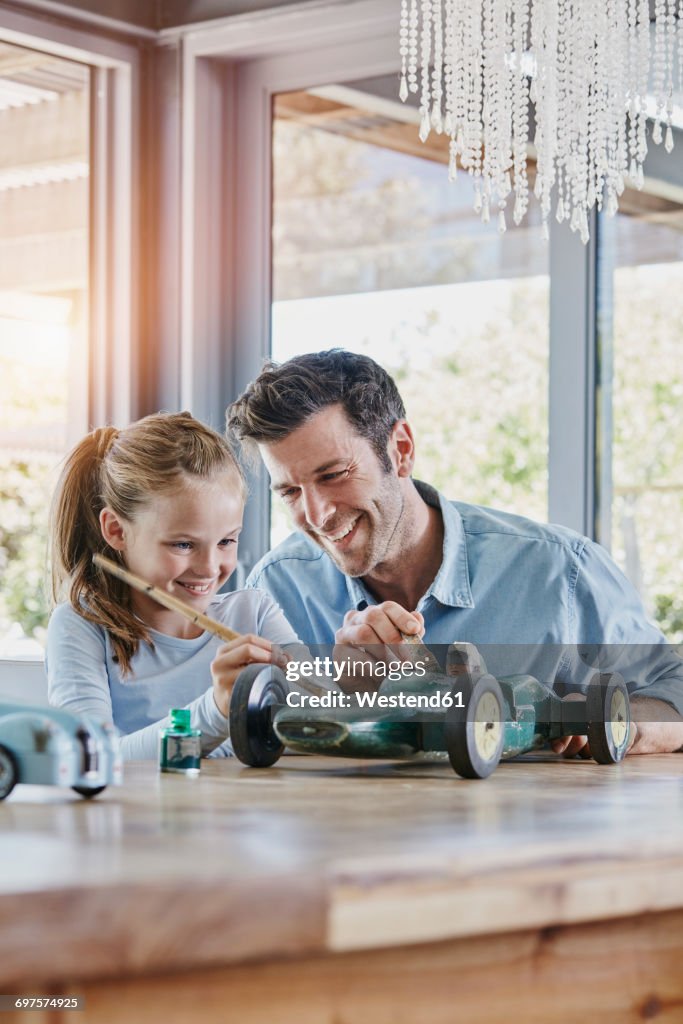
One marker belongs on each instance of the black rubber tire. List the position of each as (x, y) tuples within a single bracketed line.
[(258, 692), (463, 739), (606, 696), (88, 793), (9, 772)]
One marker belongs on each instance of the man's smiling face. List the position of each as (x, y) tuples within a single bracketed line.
[(337, 491)]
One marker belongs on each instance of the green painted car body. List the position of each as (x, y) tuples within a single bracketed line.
[(467, 714)]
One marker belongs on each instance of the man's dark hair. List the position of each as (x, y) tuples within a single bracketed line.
[(284, 396)]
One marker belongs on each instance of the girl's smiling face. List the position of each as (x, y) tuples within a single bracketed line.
[(183, 541)]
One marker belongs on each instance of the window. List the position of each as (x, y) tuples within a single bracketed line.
[(375, 251), (44, 168), (343, 230), (641, 257)]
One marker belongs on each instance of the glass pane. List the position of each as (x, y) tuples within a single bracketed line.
[(375, 251), (642, 333), (43, 302)]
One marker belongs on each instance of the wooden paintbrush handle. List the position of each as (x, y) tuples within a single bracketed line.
[(166, 600), (420, 652)]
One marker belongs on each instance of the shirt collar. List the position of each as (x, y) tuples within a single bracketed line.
[(451, 585)]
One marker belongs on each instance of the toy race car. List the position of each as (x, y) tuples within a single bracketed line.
[(51, 747), (486, 718)]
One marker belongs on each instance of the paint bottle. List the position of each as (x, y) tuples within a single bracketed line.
[(180, 744)]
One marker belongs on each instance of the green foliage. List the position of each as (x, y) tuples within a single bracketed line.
[(669, 614), (481, 419), (647, 458), (23, 403), (25, 484)]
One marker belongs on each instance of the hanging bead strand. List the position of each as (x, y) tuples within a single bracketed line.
[(425, 57), (520, 116), (436, 118), (412, 46), (403, 51)]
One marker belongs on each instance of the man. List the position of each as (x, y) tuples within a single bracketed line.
[(379, 554)]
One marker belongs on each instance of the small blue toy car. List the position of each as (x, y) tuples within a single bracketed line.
[(52, 747)]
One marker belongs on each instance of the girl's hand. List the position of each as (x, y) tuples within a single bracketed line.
[(232, 657)]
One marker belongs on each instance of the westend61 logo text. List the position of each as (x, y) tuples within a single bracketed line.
[(440, 700)]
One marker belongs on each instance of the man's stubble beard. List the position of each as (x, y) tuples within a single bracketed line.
[(381, 540)]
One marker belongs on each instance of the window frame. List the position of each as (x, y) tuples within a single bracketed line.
[(114, 101), (112, 390)]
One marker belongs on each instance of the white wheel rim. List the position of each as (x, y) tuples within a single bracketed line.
[(487, 726), (618, 716)]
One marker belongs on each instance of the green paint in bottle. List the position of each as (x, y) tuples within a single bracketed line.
[(180, 744)]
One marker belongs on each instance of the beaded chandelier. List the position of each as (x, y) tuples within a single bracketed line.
[(583, 65)]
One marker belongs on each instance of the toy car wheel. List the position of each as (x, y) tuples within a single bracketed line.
[(88, 793), (475, 733), (257, 694), (608, 715), (9, 773)]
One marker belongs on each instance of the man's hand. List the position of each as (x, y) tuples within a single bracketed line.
[(379, 624), (366, 636), (659, 729), (655, 729)]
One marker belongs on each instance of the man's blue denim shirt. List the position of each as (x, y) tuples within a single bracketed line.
[(534, 598)]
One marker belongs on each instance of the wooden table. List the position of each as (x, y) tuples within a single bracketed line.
[(352, 892)]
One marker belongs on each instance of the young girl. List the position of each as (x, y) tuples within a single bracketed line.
[(165, 497)]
